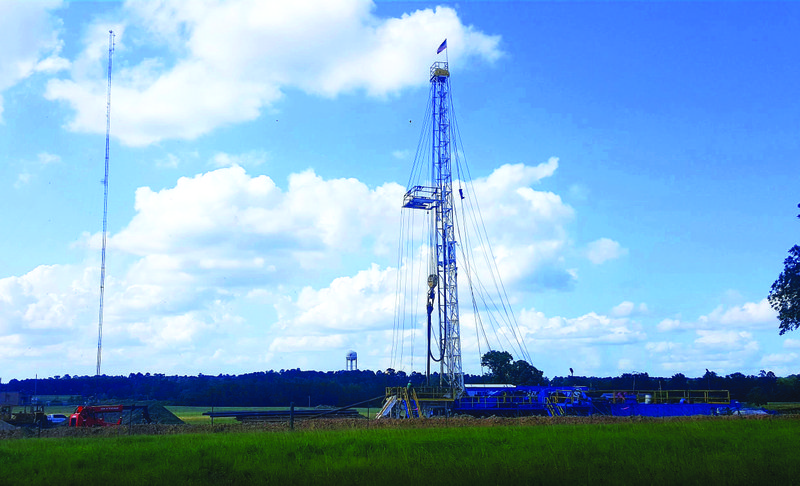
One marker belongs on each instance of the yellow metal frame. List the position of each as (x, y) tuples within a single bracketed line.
[(722, 397), (424, 393)]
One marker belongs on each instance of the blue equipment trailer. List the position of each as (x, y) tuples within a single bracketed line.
[(554, 401), (507, 400)]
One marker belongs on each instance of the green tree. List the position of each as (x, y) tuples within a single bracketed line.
[(499, 364), (524, 373), (503, 369), (756, 396), (678, 382), (784, 296)]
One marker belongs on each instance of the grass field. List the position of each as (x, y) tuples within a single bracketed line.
[(716, 451), (194, 415), (783, 406)]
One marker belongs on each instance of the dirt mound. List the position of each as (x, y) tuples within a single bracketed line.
[(157, 412), (160, 415), (6, 426)]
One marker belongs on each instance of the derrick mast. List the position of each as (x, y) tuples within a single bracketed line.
[(438, 200)]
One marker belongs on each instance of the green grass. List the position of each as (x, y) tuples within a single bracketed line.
[(783, 406), (194, 415), (706, 452)]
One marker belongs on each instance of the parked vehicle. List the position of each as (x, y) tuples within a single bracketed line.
[(29, 416), (97, 415), (56, 418)]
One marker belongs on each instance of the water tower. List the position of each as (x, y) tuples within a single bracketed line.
[(351, 363)]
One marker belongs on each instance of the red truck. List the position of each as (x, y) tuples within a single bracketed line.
[(94, 415)]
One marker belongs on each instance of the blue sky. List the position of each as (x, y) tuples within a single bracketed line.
[(637, 162)]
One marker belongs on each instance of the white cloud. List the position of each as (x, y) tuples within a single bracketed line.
[(229, 260), (28, 33), (753, 315), (589, 328), (780, 359), (30, 169), (527, 227), (52, 64), (360, 303), (47, 158), (628, 308), (305, 344), (169, 161), (400, 154), (625, 365), (723, 339), (233, 59), (212, 214), (623, 309), (604, 249), (791, 343), (722, 351), (49, 297), (251, 159), (668, 325), (23, 178)]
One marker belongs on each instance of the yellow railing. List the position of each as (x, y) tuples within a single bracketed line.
[(554, 406), (424, 393), (671, 396)]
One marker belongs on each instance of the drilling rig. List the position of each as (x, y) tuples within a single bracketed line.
[(436, 198)]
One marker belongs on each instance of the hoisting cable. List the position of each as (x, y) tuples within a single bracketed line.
[(491, 262)]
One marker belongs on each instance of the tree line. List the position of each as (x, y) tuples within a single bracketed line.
[(342, 388)]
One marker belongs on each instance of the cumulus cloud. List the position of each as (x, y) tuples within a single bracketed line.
[(400, 154), (230, 259), (791, 343), (748, 315), (628, 308), (781, 364), (29, 36), (233, 59), (45, 158), (604, 249), (253, 158), (667, 325), (724, 339), (360, 303), (752, 316), (721, 351), (49, 297), (304, 344), (526, 227), (589, 328), (31, 169), (226, 220), (23, 179)]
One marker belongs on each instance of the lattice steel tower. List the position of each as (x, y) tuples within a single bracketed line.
[(438, 199), (105, 207)]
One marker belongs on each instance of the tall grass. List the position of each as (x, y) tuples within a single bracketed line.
[(670, 452)]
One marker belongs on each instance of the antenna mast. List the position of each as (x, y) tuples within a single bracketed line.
[(105, 206)]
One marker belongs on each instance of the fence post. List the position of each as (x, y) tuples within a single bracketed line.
[(291, 416)]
